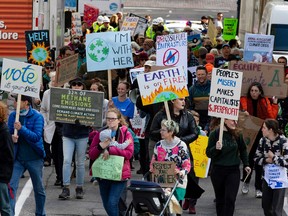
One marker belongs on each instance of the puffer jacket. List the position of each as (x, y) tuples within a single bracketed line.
[(127, 153), (32, 130)]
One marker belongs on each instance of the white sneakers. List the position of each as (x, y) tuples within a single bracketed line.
[(245, 188), (258, 194)]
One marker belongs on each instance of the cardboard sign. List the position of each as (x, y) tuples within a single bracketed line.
[(163, 85), (141, 25), (258, 48), (69, 105), (163, 173), (212, 32), (200, 160), (194, 42), (66, 69), (270, 76), (108, 50), (38, 47), (171, 50), (21, 78), (130, 24), (110, 169), (76, 28), (224, 98), (250, 127), (230, 28), (134, 73)]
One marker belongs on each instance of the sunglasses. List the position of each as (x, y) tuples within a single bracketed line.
[(49, 67), (76, 84)]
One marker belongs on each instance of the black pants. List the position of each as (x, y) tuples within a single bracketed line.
[(144, 155), (225, 182), (57, 152), (258, 169), (272, 200), (47, 149)]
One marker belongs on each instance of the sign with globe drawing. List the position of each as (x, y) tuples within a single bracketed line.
[(38, 47), (108, 50)]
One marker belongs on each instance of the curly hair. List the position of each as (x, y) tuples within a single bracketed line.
[(3, 112)]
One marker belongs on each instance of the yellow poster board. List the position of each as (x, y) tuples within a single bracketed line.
[(200, 159)]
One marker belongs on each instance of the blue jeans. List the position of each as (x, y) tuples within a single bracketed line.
[(35, 169), (111, 192), (80, 146), (5, 209)]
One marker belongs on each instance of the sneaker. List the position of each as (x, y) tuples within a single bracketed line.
[(258, 194), (192, 210), (65, 193), (58, 183), (79, 193), (186, 204), (245, 188)]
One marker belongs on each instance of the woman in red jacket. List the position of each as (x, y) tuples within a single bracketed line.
[(110, 190), (256, 104)]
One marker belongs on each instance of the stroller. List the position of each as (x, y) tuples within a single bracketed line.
[(149, 197)]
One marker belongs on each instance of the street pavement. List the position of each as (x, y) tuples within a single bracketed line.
[(91, 205)]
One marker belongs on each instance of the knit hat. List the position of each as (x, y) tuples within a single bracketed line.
[(209, 67), (149, 42), (105, 134), (210, 58)]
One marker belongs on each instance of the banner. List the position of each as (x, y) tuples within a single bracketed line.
[(76, 27), (76, 106), (110, 169), (258, 48), (163, 173), (90, 14), (194, 42), (271, 77), (38, 47), (108, 7), (200, 160), (108, 50), (130, 24), (224, 98), (171, 50), (21, 78), (230, 28), (134, 73), (141, 25), (163, 85), (66, 69)]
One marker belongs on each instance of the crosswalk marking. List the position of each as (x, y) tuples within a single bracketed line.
[(25, 193)]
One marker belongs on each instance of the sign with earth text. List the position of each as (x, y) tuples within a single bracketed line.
[(21, 78), (38, 47), (270, 76), (163, 85), (76, 106), (108, 50)]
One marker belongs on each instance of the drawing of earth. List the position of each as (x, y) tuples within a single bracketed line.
[(98, 50), (39, 54)]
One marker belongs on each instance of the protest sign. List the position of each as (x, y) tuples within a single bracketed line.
[(192, 70), (200, 160), (171, 50), (21, 78), (258, 47), (110, 169), (230, 28), (76, 28), (138, 124), (134, 72), (38, 47), (163, 173), (270, 76), (130, 24), (194, 42), (224, 98), (162, 85), (141, 25), (212, 32), (66, 69), (108, 7), (90, 13), (250, 126), (108, 50), (76, 106), (275, 176)]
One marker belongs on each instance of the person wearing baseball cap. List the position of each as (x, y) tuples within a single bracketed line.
[(225, 52)]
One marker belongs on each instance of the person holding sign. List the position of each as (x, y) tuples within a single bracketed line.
[(111, 190), (225, 173), (256, 104), (272, 154), (29, 151), (172, 148)]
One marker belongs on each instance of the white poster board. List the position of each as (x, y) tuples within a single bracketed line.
[(105, 6)]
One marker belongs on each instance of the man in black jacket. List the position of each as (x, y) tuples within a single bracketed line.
[(6, 162)]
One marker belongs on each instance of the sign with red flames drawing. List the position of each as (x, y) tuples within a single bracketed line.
[(162, 85), (171, 50)]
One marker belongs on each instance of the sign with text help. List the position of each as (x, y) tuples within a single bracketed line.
[(224, 99)]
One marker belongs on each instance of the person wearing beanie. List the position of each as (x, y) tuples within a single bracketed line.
[(148, 46)]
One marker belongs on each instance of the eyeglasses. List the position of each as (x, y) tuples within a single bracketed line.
[(110, 119), (76, 84), (163, 130)]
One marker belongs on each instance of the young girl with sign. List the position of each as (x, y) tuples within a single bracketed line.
[(272, 154)]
